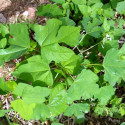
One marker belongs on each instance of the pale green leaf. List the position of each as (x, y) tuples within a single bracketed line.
[(31, 94), (25, 110), (41, 111), (4, 86), (3, 43), (4, 30), (106, 25), (46, 35), (57, 99), (50, 49), (56, 53), (36, 71), (84, 86)]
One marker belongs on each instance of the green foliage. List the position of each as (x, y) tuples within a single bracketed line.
[(36, 70), (71, 66), (120, 7), (49, 10), (2, 112), (77, 109), (59, 1), (114, 64), (29, 93), (25, 110)]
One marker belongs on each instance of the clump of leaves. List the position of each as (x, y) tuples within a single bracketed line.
[(71, 65)]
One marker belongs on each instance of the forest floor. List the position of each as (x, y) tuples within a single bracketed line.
[(12, 11)]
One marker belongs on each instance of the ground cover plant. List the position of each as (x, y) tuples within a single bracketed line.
[(72, 66)]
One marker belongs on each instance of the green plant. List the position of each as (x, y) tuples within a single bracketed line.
[(72, 64)]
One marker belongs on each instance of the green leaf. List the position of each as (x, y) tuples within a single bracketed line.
[(59, 1), (31, 94), (77, 109), (123, 123), (90, 10), (19, 35), (57, 99), (101, 110), (91, 2), (107, 45), (2, 112), (80, 119), (49, 32), (114, 65), (11, 52), (25, 110), (106, 25), (36, 71), (69, 35), (67, 21), (85, 10), (79, 2), (12, 85), (121, 7), (3, 43), (49, 10), (114, 3), (41, 111), (105, 93), (92, 26), (72, 65), (122, 109), (4, 86), (56, 53), (4, 30), (84, 86), (108, 11), (19, 43), (50, 49)]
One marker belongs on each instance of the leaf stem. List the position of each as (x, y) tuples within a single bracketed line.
[(93, 64), (8, 120)]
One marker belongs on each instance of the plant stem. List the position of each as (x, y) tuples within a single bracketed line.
[(6, 98), (9, 72), (89, 48), (8, 120), (93, 64)]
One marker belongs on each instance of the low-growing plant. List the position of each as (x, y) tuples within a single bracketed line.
[(71, 66)]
